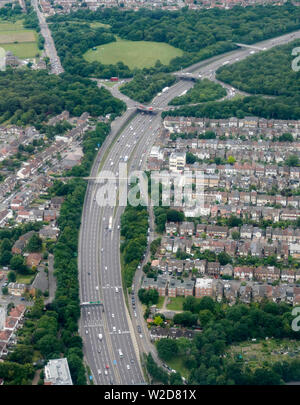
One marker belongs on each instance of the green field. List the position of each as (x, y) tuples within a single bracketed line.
[(138, 54), (160, 302), (178, 364), (17, 39), (25, 279), (176, 303), (99, 24)]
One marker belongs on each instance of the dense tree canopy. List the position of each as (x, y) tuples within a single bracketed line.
[(204, 90), (31, 97)]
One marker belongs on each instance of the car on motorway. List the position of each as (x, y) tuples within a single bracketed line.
[(119, 331), (128, 367), (112, 315), (139, 328), (116, 289), (97, 288), (107, 366), (132, 361), (86, 332), (135, 314), (114, 329), (99, 372), (105, 372), (99, 350)]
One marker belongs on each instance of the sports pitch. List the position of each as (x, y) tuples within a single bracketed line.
[(138, 54), (17, 39)]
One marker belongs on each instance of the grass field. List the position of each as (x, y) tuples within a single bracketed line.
[(20, 41), (24, 279), (160, 302), (175, 304), (99, 24), (178, 365), (138, 54)]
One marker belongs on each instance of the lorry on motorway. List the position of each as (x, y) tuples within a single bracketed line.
[(120, 353), (110, 223), (226, 63), (100, 336)]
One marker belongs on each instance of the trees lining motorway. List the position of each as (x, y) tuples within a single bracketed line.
[(99, 247)]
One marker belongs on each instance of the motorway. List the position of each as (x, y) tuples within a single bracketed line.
[(132, 135)]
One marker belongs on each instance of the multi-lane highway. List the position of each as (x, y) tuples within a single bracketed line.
[(99, 246)]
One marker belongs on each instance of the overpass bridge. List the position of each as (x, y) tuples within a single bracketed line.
[(146, 109), (257, 48), (187, 76)]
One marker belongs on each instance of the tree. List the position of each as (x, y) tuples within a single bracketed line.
[(292, 160), (175, 216), (11, 277), (235, 235), (158, 321), (205, 316), (17, 263), (34, 243), (175, 379), (167, 349), (231, 160), (148, 297), (224, 258)]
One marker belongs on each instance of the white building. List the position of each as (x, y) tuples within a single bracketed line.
[(177, 161), (57, 372), (203, 287)]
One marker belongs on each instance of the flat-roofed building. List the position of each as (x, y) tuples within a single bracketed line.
[(57, 372), (203, 287)]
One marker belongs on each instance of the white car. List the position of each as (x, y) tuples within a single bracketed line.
[(112, 315), (119, 332), (114, 329), (97, 288), (86, 332), (99, 372), (105, 372), (135, 314), (128, 367)]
